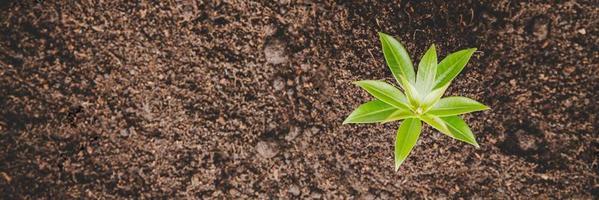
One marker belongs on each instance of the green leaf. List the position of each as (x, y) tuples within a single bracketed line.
[(375, 111), (433, 97), (407, 135), (385, 92), (452, 126), (436, 122), (427, 69), (411, 92), (397, 58), (451, 66), (460, 130), (399, 114), (450, 106)]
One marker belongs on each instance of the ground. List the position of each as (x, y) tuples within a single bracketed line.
[(240, 99)]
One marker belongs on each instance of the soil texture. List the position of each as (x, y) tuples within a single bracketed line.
[(244, 99)]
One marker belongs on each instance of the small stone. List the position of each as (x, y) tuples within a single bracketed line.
[(272, 125), (314, 130), (221, 120), (513, 82), (544, 176), (582, 31), (89, 149), (124, 132), (233, 192), (278, 84), (568, 70), (223, 81), (293, 133), (315, 195), (568, 103), (294, 190), (6, 176), (275, 52), (195, 181), (526, 141), (266, 149), (540, 29)]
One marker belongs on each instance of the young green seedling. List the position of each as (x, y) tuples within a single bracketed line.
[(422, 100)]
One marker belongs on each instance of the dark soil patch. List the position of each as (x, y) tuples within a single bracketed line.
[(182, 99), (528, 142)]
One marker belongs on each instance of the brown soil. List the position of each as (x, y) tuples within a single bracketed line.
[(244, 99)]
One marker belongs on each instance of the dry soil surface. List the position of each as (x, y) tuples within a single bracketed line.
[(243, 99)]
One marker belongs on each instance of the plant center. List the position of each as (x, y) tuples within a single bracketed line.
[(419, 111)]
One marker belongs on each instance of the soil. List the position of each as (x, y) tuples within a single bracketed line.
[(240, 99)]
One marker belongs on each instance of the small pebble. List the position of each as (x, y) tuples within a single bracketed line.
[(293, 133), (278, 84), (124, 132), (266, 149), (540, 29), (275, 52), (294, 190)]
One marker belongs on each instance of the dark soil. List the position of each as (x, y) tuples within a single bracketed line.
[(156, 99)]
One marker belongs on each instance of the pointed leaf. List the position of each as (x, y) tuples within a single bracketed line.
[(455, 129), (411, 92), (375, 111), (436, 122), (385, 92), (460, 130), (451, 66), (427, 69), (451, 106), (397, 58), (433, 97), (399, 114), (407, 136)]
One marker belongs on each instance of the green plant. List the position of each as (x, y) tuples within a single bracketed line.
[(422, 100)]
